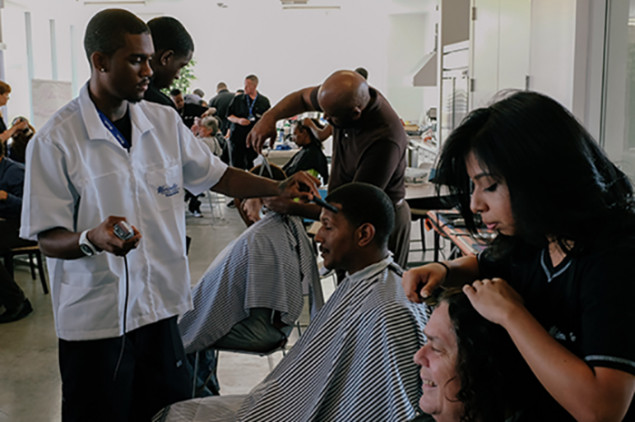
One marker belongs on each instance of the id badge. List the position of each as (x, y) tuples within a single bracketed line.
[(252, 118)]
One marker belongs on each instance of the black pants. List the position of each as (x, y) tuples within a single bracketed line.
[(11, 295), (399, 240), (151, 375), (193, 204), (10, 229), (242, 157)]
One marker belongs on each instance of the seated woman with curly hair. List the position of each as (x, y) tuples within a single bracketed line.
[(470, 371)]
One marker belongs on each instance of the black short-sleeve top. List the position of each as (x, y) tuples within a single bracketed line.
[(585, 302)]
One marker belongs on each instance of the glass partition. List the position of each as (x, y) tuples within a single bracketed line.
[(618, 120)]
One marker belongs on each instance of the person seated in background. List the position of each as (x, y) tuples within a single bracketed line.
[(470, 370), (13, 303), (187, 111), (310, 157), (11, 187), (6, 133), (252, 293), (354, 361), (207, 130), (15, 146), (11, 192)]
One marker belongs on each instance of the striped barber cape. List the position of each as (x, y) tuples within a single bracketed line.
[(354, 362), (265, 267)]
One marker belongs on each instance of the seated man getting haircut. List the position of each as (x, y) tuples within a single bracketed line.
[(251, 294), (354, 362)]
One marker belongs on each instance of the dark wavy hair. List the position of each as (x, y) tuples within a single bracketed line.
[(106, 30), (491, 371), (560, 181)]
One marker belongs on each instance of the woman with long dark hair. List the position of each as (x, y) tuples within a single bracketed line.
[(558, 277)]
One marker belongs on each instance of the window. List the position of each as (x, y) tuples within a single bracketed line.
[(618, 117)]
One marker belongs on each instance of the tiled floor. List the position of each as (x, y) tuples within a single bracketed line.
[(29, 377)]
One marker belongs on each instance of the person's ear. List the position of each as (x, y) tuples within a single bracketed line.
[(356, 113), (99, 61), (365, 234), (165, 57)]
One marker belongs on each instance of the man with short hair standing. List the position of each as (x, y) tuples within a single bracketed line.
[(105, 159), (220, 102), (369, 143), (243, 113), (173, 50)]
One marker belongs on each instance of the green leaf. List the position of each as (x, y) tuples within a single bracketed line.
[(184, 82)]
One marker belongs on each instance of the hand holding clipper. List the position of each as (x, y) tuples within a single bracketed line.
[(123, 230)]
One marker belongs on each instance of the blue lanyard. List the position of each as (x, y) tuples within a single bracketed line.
[(115, 132), (251, 106)]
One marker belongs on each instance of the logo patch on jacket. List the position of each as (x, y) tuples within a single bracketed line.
[(168, 190)]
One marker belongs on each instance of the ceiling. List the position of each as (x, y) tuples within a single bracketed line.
[(393, 6)]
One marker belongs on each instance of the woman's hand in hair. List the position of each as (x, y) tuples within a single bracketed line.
[(494, 299), (419, 283)]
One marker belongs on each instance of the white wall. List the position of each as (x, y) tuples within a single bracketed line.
[(287, 49), (500, 48), (552, 48), (617, 89), (65, 13), (595, 67), (404, 29)]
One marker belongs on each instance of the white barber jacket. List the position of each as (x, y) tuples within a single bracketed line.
[(78, 174)]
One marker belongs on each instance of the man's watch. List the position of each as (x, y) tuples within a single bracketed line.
[(86, 246)]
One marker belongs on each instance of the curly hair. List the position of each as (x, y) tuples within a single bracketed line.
[(490, 369), (561, 183)]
